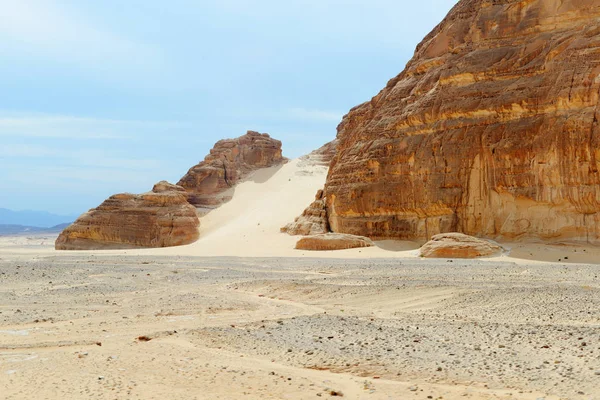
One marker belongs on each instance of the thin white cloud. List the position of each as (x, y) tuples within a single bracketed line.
[(69, 178), (39, 27), (70, 127), (82, 158), (25, 151), (299, 114), (313, 115)]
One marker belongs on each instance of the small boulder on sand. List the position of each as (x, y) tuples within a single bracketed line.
[(458, 245), (333, 241)]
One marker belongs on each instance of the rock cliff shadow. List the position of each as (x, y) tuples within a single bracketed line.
[(397, 245)]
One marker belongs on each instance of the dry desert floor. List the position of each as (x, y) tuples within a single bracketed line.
[(106, 326)]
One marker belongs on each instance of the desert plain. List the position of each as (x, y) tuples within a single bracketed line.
[(241, 314)]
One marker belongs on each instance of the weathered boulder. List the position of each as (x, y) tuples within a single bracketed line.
[(458, 245), (313, 220), (493, 129), (125, 221), (229, 162), (333, 241)]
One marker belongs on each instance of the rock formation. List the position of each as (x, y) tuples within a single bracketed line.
[(491, 130), (125, 221), (313, 220), (164, 186), (322, 156), (165, 217), (333, 241), (229, 161), (458, 245)]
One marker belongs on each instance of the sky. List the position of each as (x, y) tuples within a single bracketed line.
[(103, 97)]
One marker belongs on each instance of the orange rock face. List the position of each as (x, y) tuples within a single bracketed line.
[(491, 130), (126, 221), (229, 161)]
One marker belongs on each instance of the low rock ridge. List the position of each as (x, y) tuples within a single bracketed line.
[(333, 241), (322, 156), (208, 184), (458, 245), (126, 221)]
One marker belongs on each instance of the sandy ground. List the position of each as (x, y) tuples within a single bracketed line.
[(285, 328), (241, 314)]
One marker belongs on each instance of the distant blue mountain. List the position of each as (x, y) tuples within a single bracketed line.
[(7, 229), (40, 219)]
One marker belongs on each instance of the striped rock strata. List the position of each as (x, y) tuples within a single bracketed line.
[(165, 217), (126, 221), (491, 130), (229, 162)]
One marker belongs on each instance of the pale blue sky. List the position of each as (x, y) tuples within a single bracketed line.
[(100, 97)]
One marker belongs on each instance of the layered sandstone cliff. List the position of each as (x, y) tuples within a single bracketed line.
[(229, 162), (125, 221), (491, 130)]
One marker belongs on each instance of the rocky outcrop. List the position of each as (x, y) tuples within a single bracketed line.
[(208, 184), (313, 220), (333, 241), (493, 129), (458, 245), (126, 221), (167, 216), (164, 186), (322, 156)]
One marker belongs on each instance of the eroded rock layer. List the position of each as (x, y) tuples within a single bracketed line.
[(313, 220), (491, 130), (322, 156), (125, 221), (458, 245), (333, 241), (229, 161)]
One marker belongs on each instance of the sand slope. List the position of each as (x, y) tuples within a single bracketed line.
[(249, 225)]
